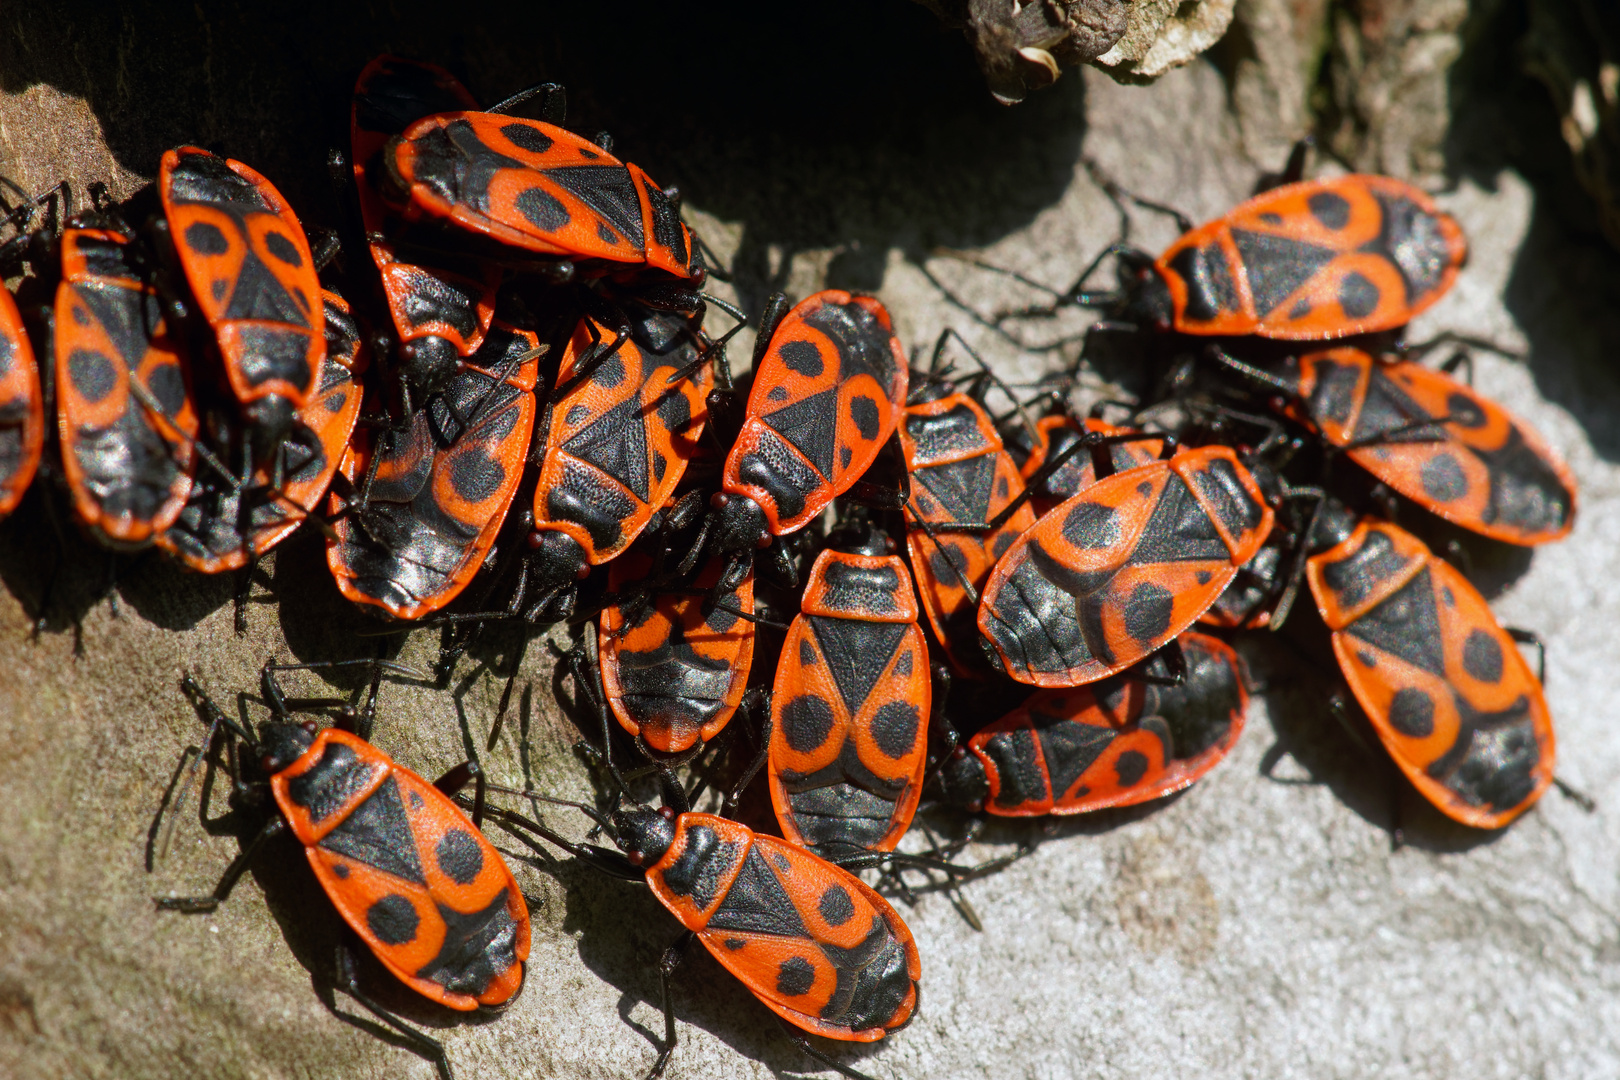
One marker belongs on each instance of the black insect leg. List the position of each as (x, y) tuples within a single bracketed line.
[(553, 106), (666, 970), (459, 777), (192, 905), (757, 700), (805, 1045), (349, 982), (244, 586), (1339, 709)]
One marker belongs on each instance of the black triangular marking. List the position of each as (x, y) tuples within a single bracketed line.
[(1276, 266), (1070, 748), (862, 343), (757, 902), (1179, 530), (1406, 624), (607, 190), (857, 654), (963, 487), (127, 316), (1387, 407), (810, 425), (258, 295), (378, 833), (617, 444), (478, 946)]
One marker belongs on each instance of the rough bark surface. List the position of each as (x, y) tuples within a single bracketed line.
[(1256, 926)]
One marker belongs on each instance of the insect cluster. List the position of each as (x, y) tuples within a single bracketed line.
[(494, 378)]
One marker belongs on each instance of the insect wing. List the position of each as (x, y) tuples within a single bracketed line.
[(618, 443), (851, 705), (123, 399), (1444, 686), (827, 395), (676, 675), (250, 270), (22, 407), (408, 872)]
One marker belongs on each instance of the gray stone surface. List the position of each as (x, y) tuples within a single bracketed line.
[(1254, 926)]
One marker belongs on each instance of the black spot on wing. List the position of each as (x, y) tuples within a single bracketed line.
[(378, 833), (128, 316), (863, 344), (795, 976), (895, 726), (91, 374), (868, 421), (1411, 712), (1330, 208), (393, 920), (1148, 611), (1443, 478), (460, 856), (803, 357), (836, 906), (807, 720), (528, 136), (205, 238), (1092, 526), (1358, 296), (1482, 656), (542, 209)]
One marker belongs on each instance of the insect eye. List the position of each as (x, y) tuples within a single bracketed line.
[(634, 858), (309, 726), (719, 500), (667, 813)]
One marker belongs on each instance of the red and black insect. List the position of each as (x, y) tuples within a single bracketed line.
[(817, 945), (618, 434), (1431, 438), (830, 382), (1118, 742), (227, 525), (253, 280), (124, 410), (851, 704), (1308, 261), (1056, 435), (959, 473), (536, 189), (1119, 570), (1444, 685), (675, 667), (413, 878), (22, 407), (441, 303), (420, 508)]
